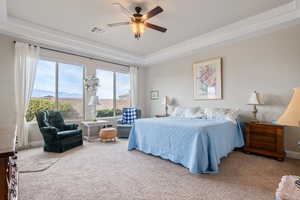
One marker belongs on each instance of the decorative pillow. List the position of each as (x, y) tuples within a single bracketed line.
[(129, 115)]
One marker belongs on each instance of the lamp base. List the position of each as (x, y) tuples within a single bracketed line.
[(254, 113)]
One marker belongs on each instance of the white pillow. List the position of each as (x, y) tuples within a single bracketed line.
[(222, 114), (178, 112), (200, 114), (185, 112), (233, 115)]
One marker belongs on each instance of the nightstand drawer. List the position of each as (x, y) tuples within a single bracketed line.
[(263, 130), (263, 146), (263, 137)]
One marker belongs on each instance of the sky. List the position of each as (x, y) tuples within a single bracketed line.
[(70, 81)]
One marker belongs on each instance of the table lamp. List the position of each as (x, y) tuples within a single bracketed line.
[(291, 116), (255, 99), (94, 101), (166, 101)]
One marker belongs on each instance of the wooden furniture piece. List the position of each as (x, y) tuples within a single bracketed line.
[(8, 166), (108, 134), (90, 124), (265, 138), (287, 189), (158, 116)]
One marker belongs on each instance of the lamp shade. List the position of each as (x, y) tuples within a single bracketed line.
[(94, 100), (255, 99), (165, 101), (291, 116)]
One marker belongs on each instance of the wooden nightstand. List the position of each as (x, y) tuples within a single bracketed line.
[(265, 138), (158, 116)]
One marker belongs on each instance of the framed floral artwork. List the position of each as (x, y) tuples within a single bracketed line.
[(207, 77)]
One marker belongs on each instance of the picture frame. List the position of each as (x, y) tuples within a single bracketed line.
[(154, 94), (207, 77)]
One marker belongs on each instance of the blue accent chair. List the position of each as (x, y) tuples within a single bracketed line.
[(124, 129)]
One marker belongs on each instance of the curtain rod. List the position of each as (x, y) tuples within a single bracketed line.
[(73, 54)]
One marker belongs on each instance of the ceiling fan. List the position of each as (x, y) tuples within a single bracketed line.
[(138, 21)]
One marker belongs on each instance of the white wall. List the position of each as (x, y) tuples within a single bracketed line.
[(7, 101), (269, 64)]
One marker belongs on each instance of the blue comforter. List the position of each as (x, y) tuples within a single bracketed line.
[(197, 144)]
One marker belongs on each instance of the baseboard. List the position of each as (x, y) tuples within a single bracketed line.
[(36, 144), (293, 154)]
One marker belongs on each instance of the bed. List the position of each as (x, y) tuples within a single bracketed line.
[(197, 144)]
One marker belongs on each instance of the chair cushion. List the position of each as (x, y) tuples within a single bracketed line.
[(124, 125)]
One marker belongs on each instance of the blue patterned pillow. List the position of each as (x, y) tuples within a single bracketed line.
[(129, 115)]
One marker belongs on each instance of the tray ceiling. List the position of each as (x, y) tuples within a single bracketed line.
[(184, 19)]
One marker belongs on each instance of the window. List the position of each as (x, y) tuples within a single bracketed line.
[(113, 93), (43, 94), (57, 86), (122, 91), (105, 93), (70, 91)]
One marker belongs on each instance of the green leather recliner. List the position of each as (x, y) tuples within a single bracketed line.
[(58, 135)]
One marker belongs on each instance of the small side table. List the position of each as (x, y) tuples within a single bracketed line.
[(89, 124), (159, 116), (287, 190)]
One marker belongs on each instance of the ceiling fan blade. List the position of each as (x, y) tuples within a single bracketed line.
[(118, 24), (155, 27), (123, 9), (153, 12)]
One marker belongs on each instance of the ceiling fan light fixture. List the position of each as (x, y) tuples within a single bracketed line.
[(138, 29), (138, 22)]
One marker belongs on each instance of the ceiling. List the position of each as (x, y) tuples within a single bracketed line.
[(184, 19)]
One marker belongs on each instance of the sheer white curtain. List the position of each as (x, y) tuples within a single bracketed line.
[(26, 58), (134, 85)]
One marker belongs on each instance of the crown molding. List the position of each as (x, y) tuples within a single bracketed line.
[(251, 26), (244, 28), (45, 36)]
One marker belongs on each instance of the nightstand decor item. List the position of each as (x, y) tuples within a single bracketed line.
[(166, 101), (255, 99), (291, 116)]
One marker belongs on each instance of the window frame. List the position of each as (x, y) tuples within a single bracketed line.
[(89, 67), (66, 61), (115, 90)]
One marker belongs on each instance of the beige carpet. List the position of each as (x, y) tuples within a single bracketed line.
[(107, 171)]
